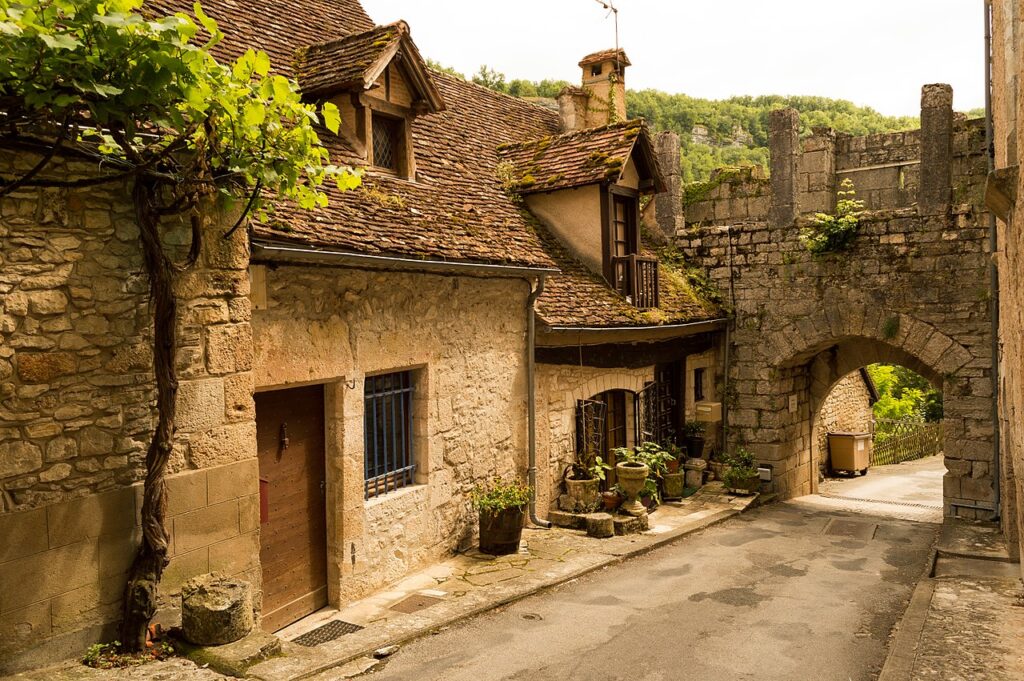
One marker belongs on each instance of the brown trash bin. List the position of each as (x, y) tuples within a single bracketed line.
[(850, 452)]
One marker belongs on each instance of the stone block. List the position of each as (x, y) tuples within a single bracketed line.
[(976, 489), (186, 492), (235, 555), (229, 348), (183, 567), (47, 302), (233, 481), (109, 513), (600, 525), (235, 442), (43, 367), (625, 524), (24, 626), (249, 513), (19, 457), (573, 521), (216, 610), (22, 534), (206, 526), (94, 441), (99, 601), (200, 405), (238, 397)]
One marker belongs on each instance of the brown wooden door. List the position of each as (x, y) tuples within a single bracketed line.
[(293, 522)]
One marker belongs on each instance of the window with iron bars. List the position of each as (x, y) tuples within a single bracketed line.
[(387, 426), (386, 133)]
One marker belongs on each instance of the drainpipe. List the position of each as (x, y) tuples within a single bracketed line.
[(992, 268), (531, 397), (726, 358)]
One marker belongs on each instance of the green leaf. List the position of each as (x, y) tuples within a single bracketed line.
[(332, 117), (59, 41), (254, 113), (282, 88), (262, 64)]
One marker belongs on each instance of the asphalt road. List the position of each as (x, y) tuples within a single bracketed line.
[(767, 595)]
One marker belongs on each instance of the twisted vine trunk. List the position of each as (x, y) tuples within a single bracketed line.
[(144, 576)]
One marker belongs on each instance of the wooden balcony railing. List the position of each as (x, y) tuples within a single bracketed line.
[(636, 278)]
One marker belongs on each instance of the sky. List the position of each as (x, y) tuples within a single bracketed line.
[(876, 53)]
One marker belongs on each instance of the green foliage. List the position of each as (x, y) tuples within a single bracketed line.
[(694, 428), (904, 394), (438, 66), (833, 233), (518, 87), (109, 655), (141, 91), (890, 328), (598, 469), (500, 495), (740, 467)]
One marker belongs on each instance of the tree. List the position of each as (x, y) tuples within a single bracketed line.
[(490, 79), (96, 80)]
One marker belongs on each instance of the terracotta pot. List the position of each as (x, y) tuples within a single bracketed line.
[(648, 502), (611, 500), (631, 477), (673, 465), (500, 531)]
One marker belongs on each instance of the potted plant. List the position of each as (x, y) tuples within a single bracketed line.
[(716, 466), (694, 432), (631, 474), (611, 499), (741, 476), (583, 478), (677, 454), (502, 509), (649, 495)]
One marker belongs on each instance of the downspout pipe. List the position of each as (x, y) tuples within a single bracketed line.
[(993, 272), (531, 395)]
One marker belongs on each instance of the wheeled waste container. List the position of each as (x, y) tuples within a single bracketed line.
[(850, 452)]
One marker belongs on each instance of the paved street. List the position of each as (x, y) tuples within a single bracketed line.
[(767, 595), (917, 483)]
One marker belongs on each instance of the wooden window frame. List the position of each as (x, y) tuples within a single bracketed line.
[(368, 107), (609, 195)]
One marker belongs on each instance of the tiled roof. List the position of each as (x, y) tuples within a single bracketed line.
[(606, 55), (457, 209), (577, 297), (278, 27), (572, 159), (357, 60)]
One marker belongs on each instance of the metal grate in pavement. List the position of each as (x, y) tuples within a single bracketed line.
[(850, 528), (327, 632), (933, 507), (415, 603)]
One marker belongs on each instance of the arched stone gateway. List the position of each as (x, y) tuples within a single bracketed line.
[(913, 289)]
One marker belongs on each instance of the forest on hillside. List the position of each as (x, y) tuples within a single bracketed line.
[(716, 133)]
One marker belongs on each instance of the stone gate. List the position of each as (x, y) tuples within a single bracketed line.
[(914, 288)]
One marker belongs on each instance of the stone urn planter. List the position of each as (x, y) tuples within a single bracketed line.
[(695, 472), (582, 496), (672, 485), (631, 477)]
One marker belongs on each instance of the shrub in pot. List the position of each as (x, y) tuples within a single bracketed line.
[(694, 433), (740, 474), (611, 499), (502, 509), (583, 478)]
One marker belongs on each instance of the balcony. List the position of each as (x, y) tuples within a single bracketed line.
[(636, 278)]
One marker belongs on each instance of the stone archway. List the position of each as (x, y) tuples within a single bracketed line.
[(801, 362)]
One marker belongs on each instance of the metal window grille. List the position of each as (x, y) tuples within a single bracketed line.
[(385, 142), (387, 427)]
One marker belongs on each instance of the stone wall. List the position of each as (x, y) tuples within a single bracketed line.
[(559, 388), (77, 405), (1008, 111), (846, 409), (465, 339)]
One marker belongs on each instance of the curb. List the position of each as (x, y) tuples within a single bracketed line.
[(667, 538)]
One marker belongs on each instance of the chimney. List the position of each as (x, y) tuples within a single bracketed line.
[(602, 99)]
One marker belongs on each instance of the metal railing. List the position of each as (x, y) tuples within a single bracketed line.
[(388, 457), (898, 440), (636, 277)]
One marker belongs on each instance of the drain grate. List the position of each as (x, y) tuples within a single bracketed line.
[(415, 603), (327, 632), (850, 528), (933, 507)]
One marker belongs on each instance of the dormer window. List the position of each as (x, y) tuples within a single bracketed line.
[(387, 142), (629, 273)]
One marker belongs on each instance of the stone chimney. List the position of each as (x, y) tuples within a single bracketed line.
[(668, 205), (602, 99)]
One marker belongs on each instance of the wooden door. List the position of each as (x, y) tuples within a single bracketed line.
[(293, 521)]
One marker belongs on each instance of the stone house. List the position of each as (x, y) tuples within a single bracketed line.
[(1005, 197), (347, 376), (846, 409)]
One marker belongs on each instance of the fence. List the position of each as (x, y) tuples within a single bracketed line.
[(904, 440)]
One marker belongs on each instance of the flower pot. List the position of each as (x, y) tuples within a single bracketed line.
[(717, 469), (500, 531), (742, 484), (648, 502), (673, 465), (672, 485), (695, 446), (611, 500), (583, 495), (631, 478)]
